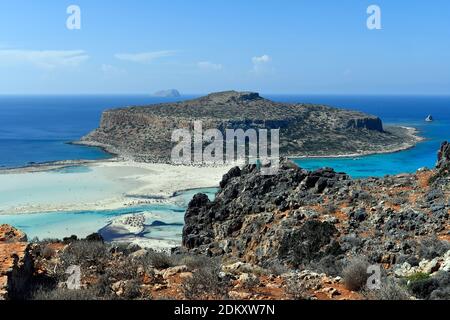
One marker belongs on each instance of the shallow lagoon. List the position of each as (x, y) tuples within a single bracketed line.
[(82, 223), (60, 188)]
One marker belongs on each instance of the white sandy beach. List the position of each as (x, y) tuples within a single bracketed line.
[(105, 185)]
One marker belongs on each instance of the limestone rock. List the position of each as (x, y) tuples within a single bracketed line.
[(16, 264), (173, 271)]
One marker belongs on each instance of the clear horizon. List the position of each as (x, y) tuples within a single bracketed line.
[(188, 94)]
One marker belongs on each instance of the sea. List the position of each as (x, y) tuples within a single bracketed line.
[(37, 129)]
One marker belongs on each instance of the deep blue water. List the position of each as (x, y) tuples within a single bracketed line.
[(37, 128)]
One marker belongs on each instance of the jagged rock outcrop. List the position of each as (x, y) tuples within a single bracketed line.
[(248, 217), (16, 265), (322, 217), (441, 178), (443, 163), (144, 133)]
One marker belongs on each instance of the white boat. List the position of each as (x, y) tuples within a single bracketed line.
[(429, 118)]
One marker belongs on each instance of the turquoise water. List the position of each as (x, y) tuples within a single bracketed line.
[(82, 223), (423, 154)]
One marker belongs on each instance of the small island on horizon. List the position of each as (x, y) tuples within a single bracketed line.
[(170, 93)]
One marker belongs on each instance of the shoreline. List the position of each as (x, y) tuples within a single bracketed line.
[(412, 132), (142, 183), (123, 184)]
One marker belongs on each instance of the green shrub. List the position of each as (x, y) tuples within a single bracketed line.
[(193, 262), (159, 260), (418, 276), (423, 288)]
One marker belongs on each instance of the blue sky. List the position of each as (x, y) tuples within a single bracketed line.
[(199, 46)]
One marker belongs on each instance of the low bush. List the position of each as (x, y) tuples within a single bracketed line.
[(85, 253), (355, 274), (206, 283), (48, 252), (193, 262), (298, 289), (276, 268), (423, 288), (431, 248), (158, 260), (389, 290), (64, 294), (440, 294), (329, 265), (436, 287), (418, 276)]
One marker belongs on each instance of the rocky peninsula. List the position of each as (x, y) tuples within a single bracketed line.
[(143, 133)]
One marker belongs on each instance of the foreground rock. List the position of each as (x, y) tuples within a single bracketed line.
[(323, 219), (144, 133), (16, 265)]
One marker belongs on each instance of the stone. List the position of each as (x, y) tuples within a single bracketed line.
[(185, 275), (241, 267), (119, 287), (239, 295), (247, 279), (160, 286), (429, 267), (138, 254), (11, 234), (404, 270), (167, 273), (331, 292), (16, 263), (445, 266)]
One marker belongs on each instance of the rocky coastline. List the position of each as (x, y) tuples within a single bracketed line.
[(295, 235)]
